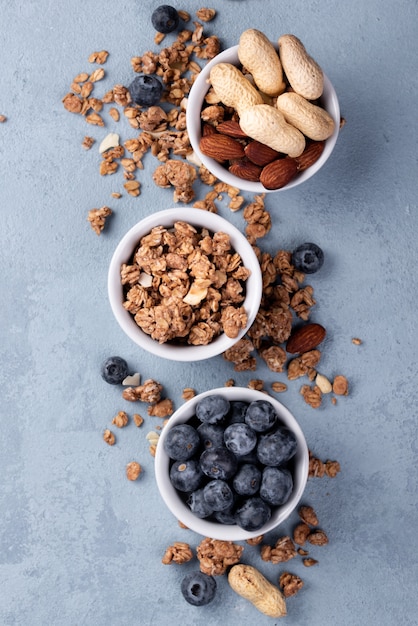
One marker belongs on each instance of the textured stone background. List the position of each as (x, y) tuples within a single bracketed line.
[(79, 544)]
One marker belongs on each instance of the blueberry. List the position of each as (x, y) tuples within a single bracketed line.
[(198, 588), (198, 504), (237, 411), (211, 435), (261, 416), (277, 447), (212, 409), (114, 370), (186, 475), (252, 514), (276, 485), (146, 90), (182, 442), (225, 517), (218, 463), (308, 258), (165, 19), (218, 494), (240, 438), (246, 481)]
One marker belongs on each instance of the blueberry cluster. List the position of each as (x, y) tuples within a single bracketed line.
[(232, 461)]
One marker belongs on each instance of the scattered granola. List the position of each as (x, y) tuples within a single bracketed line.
[(98, 57), (179, 552), (282, 551), (301, 533), (138, 420), (309, 562), (163, 408), (87, 142), (215, 556), (308, 515), (3, 119), (279, 387), (317, 537), (97, 218), (121, 419), (312, 395), (188, 393), (290, 584), (206, 15), (133, 470), (255, 541), (340, 386), (356, 341), (109, 437)]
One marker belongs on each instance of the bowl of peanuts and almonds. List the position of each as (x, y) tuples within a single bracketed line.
[(263, 117), (184, 284)]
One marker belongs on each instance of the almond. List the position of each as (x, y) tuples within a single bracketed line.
[(278, 173), (246, 170), (260, 154), (311, 154), (305, 338), (232, 129), (221, 147), (208, 129)]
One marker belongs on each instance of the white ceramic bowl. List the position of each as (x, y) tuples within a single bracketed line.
[(225, 531), (195, 101), (199, 219)]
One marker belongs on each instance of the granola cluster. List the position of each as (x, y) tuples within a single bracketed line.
[(215, 556), (186, 285)]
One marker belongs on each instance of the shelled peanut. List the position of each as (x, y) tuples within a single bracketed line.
[(273, 125)]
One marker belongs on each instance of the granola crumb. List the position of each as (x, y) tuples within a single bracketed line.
[(317, 537), (356, 341), (188, 393), (332, 468), (109, 437), (312, 395), (97, 218), (180, 523), (138, 420), (206, 15), (308, 515), (255, 541), (283, 550), (179, 552), (230, 382), (279, 387), (133, 470), (121, 419), (340, 385), (116, 194), (158, 38), (99, 57), (290, 584), (114, 114), (309, 562), (163, 408), (215, 555), (87, 142), (300, 533), (256, 383), (3, 119)]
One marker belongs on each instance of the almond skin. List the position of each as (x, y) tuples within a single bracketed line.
[(305, 338), (232, 129), (310, 155), (208, 129), (260, 154), (221, 147), (278, 173), (246, 170)]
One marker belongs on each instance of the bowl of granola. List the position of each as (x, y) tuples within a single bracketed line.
[(232, 463), (184, 284), (243, 148)]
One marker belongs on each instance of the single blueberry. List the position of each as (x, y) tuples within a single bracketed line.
[(186, 475), (308, 258), (225, 517), (276, 485), (218, 494), (211, 435), (181, 442), (198, 588), (198, 504), (246, 481), (146, 90), (114, 370), (212, 409), (261, 416), (165, 19), (252, 514), (237, 411), (218, 463), (240, 438), (277, 447)]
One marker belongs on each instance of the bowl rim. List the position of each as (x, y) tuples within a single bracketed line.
[(194, 105), (200, 219), (213, 529)]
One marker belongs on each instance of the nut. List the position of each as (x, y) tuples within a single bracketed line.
[(231, 128), (305, 338), (302, 71), (312, 120), (250, 584), (278, 173), (340, 385), (221, 147), (267, 125), (246, 170), (232, 88), (260, 154), (258, 55), (310, 155), (133, 470)]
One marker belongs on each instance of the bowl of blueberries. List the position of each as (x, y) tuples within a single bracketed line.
[(232, 463)]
